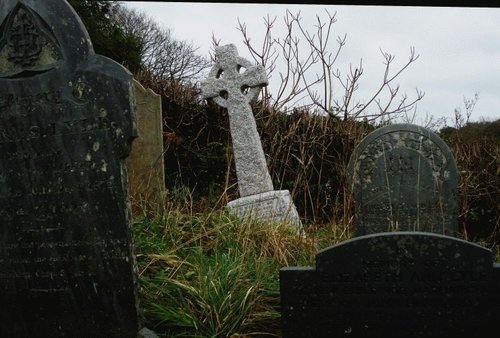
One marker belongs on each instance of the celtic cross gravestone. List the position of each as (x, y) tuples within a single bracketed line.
[(67, 264), (233, 83)]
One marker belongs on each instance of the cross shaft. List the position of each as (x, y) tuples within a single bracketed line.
[(233, 89)]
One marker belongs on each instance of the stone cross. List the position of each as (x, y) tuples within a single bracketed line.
[(233, 83)]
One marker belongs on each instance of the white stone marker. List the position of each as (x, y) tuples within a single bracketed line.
[(233, 83)]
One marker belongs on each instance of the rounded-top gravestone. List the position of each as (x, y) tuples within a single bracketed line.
[(67, 266), (403, 178)]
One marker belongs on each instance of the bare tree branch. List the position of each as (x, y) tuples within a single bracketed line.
[(163, 56), (300, 80)]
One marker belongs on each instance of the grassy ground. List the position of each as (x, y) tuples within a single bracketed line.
[(208, 274), (212, 275)]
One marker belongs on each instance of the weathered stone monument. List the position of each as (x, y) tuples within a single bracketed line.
[(404, 178), (145, 165), (67, 267), (402, 284), (418, 283), (233, 83)]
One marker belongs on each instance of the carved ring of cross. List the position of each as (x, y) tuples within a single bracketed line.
[(226, 83)]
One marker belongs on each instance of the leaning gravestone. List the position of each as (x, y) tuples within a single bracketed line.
[(233, 83), (403, 178), (67, 265), (401, 284), (145, 165)]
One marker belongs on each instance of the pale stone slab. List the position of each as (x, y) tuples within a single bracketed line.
[(146, 333), (145, 165), (273, 205)]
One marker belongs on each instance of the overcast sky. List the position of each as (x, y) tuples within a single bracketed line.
[(459, 48)]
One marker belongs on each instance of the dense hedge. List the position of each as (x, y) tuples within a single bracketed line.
[(476, 148), (308, 155)]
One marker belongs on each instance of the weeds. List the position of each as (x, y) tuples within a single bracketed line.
[(212, 275)]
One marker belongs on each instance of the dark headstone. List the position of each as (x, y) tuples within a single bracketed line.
[(67, 266), (403, 178), (399, 284)]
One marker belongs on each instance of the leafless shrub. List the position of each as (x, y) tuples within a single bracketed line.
[(478, 158), (300, 80), (168, 64)]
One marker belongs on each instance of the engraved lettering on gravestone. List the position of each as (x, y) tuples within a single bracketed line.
[(233, 83), (403, 177), (67, 266), (426, 285)]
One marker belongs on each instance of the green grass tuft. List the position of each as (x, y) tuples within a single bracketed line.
[(212, 275)]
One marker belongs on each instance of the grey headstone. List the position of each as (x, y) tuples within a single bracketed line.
[(67, 266), (403, 284), (233, 83), (404, 178)]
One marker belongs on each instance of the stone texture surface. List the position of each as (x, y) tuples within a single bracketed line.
[(273, 205), (67, 266), (404, 177), (145, 164), (233, 76), (403, 284), (146, 333), (233, 83)]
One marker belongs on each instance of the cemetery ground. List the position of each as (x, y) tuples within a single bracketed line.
[(71, 239), (208, 274), (205, 273)]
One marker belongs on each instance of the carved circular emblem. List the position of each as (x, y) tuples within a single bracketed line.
[(233, 78)]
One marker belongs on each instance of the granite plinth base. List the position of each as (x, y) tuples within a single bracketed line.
[(272, 205), (146, 333)]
